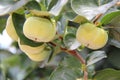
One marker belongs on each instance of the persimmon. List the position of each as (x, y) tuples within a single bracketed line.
[(91, 36)]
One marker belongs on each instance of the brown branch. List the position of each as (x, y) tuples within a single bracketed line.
[(77, 55)]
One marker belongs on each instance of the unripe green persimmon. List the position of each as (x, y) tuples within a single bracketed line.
[(40, 56), (39, 29), (91, 36), (30, 49), (10, 29)]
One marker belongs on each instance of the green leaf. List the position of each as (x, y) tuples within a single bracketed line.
[(108, 17), (8, 2), (115, 30), (114, 57), (70, 41), (3, 55), (18, 21), (33, 5), (95, 56), (69, 69), (56, 9), (6, 9), (114, 43), (107, 74), (90, 8), (51, 3), (18, 66), (3, 20)]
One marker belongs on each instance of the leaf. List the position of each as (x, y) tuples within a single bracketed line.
[(18, 66), (90, 8), (108, 17), (3, 55), (7, 2), (107, 74), (70, 41), (115, 30), (114, 57), (95, 57), (33, 5), (3, 20), (18, 21), (114, 43), (55, 10), (6, 9), (51, 3), (69, 69)]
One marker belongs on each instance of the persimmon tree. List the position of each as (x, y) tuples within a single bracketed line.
[(61, 39)]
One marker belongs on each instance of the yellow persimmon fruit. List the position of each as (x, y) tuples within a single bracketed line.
[(10, 29), (91, 36), (40, 56), (39, 29), (29, 49)]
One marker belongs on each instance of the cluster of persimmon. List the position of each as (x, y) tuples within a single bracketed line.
[(41, 29)]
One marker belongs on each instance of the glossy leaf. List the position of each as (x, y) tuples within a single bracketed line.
[(115, 30), (107, 74), (70, 41), (33, 5), (69, 69), (90, 8), (51, 3), (6, 9), (114, 43), (56, 9), (95, 57), (108, 17)]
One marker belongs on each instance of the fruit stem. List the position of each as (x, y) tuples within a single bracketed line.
[(96, 18)]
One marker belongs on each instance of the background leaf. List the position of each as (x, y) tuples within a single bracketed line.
[(3, 20), (114, 43), (90, 8), (108, 17), (95, 56), (69, 69), (33, 5), (6, 9), (55, 10), (107, 74), (114, 57), (70, 41), (115, 31), (18, 66)]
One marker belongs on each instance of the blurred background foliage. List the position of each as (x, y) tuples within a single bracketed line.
[(17, 66)]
